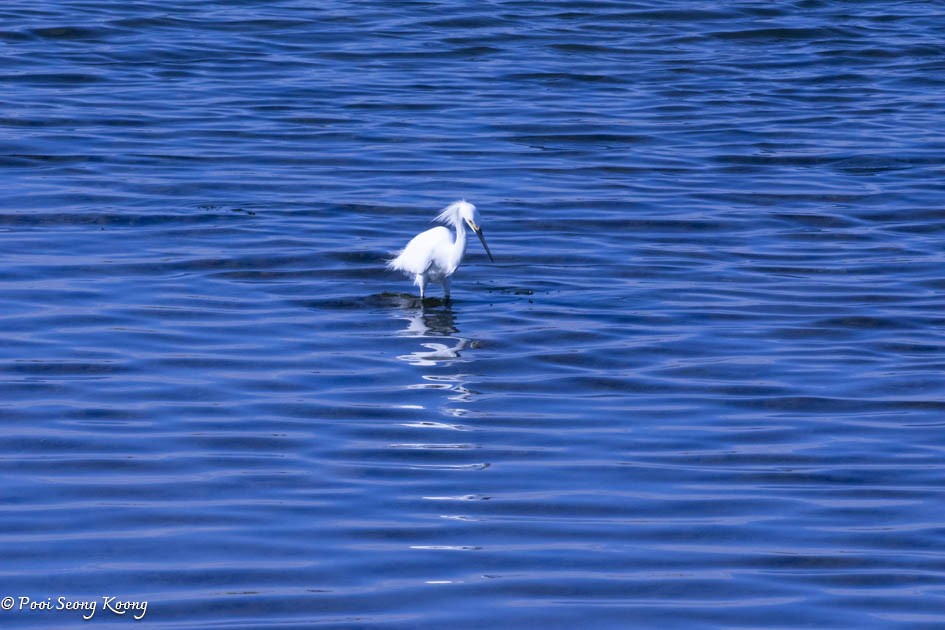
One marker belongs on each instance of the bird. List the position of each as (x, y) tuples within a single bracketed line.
[(434, 255)]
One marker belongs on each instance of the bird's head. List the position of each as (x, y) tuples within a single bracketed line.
[(466, 212)]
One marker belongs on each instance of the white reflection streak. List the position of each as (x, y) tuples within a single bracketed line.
[(435, 329), (434, 323)]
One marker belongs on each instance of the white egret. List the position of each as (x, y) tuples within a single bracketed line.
[(434, 255)]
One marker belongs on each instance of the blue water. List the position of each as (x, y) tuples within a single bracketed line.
[(701, 386)]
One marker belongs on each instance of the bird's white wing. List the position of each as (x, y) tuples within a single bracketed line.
[(422, 251)]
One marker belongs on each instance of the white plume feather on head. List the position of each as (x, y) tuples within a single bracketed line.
[(450, 214)]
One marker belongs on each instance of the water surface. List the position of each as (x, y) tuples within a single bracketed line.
[(702, 385)]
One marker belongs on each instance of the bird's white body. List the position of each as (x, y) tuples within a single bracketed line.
[(434, 255)]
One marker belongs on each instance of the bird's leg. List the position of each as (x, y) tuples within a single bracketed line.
[(421, 282), (446, 287)]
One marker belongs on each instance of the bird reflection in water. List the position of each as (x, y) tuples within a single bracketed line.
[(431, 322), (441, 430)]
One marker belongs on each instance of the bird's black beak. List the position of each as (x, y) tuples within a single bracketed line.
[(482, 239)]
